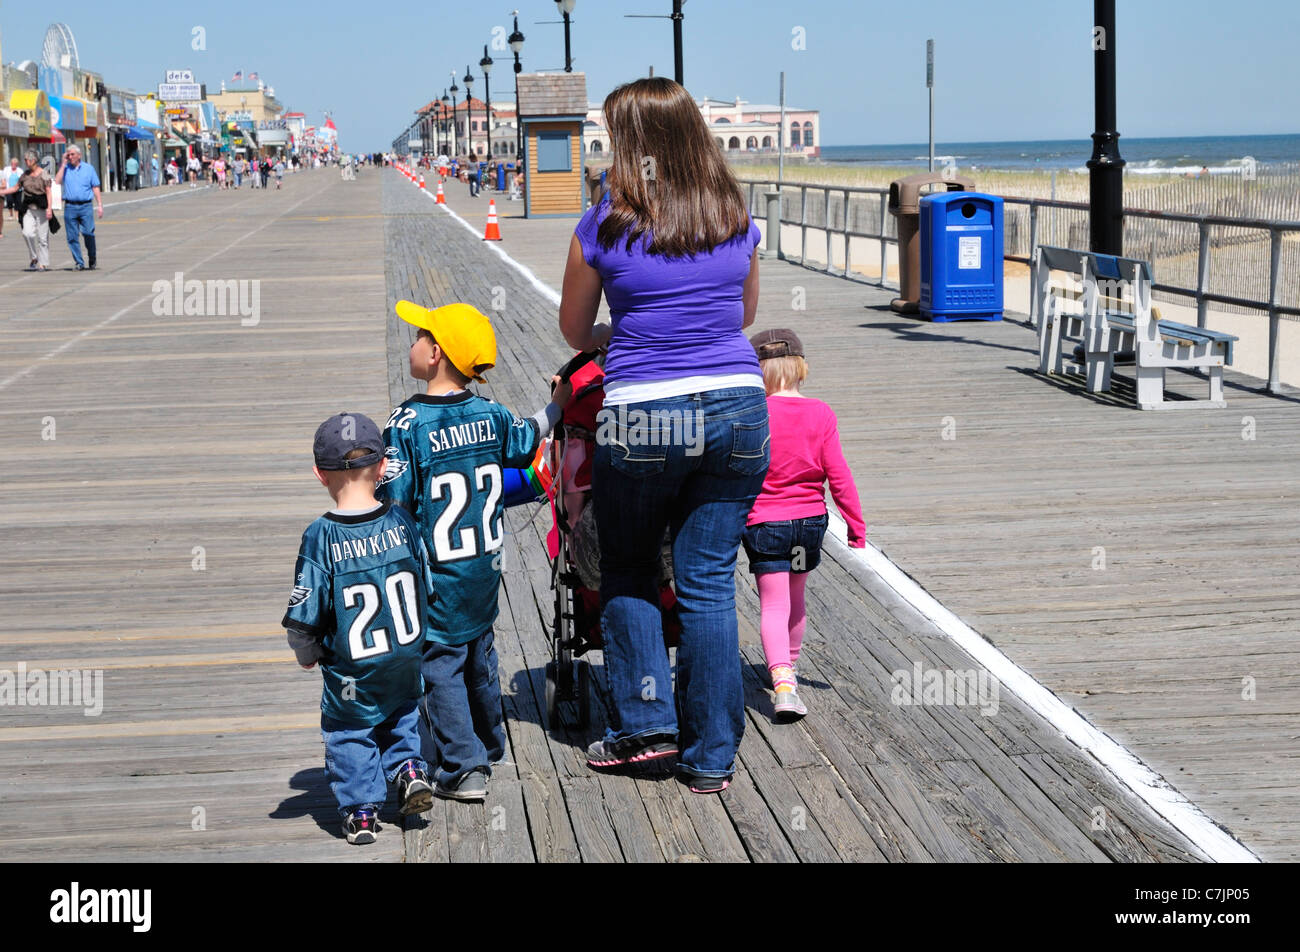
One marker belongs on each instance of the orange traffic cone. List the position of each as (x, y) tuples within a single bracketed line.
[(439, 199), (493, 232), (421, 180)]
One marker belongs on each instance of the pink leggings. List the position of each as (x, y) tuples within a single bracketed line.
[(784, 618)]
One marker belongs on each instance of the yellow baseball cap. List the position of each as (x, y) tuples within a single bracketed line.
[(461, 330)]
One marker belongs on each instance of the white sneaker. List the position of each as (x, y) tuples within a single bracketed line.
[(787, 705)]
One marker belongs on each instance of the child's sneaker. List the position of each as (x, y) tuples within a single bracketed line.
[(472, 786), (361, 827), (413, 789), (787, 705)]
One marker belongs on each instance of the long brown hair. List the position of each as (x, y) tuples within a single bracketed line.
[(669, 177)]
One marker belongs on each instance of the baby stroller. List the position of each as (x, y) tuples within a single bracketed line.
[(574, 547)]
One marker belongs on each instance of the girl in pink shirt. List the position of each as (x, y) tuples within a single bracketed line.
[(783, 535)]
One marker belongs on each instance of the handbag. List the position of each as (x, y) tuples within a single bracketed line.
[(54, 224)]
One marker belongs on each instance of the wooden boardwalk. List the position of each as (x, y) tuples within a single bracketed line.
[(152, 540), (1002, 524)]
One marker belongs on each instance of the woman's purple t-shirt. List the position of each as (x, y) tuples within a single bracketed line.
[(677, 317)]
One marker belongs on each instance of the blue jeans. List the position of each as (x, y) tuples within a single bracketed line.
[(461, 724), (79, 220), (362, 761), (788, 545), (695, 471)]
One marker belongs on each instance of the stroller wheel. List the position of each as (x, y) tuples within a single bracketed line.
[(552, 695), (584, 693)]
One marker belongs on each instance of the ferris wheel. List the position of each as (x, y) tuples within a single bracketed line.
[(60, 47)]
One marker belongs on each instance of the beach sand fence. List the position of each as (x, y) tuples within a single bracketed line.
[(1239, 256)]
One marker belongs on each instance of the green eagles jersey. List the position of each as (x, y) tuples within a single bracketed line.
[(445, 457)]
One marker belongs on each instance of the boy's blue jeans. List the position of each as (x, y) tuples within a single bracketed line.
[(462, 724), (362, 761), (700, 485)]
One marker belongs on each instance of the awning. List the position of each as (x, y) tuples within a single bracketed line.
[(33, 106), (95, 118), (146, 124), (172, 142), (68, 115), (135, 132)]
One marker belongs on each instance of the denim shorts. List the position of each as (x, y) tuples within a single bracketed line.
[(790, 545)]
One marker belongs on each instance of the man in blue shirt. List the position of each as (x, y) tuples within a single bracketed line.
[(80, 184)]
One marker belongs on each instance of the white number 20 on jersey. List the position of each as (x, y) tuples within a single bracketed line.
[(403, 607)]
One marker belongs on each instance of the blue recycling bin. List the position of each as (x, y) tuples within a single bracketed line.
[(501, 177), (962, 242)]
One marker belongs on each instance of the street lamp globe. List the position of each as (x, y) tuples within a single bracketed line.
[(486, 62), (469, 81), (516, 39), (566, 6)]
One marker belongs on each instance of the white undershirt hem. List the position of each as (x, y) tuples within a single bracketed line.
[(639, 391)]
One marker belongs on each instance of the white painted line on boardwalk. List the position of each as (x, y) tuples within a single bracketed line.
[(14, 378), (546, 290), (1123, 764)]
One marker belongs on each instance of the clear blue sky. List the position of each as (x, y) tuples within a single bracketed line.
[(1007, 69)]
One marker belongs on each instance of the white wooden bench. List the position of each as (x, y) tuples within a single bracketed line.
[(1105, 301)]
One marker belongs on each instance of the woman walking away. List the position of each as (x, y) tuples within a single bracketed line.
[(34, 211), (684, 438), (783, 538)]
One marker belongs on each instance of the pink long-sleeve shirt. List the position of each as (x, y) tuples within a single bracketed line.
[(806, 454)]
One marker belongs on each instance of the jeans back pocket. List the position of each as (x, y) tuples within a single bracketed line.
[(750, 448)]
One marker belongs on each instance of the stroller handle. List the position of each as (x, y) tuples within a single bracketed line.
[(576, 363)]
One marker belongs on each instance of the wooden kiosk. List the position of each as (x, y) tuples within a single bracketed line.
[(552, 110)]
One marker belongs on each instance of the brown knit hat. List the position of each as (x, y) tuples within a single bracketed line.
[(778, 342)]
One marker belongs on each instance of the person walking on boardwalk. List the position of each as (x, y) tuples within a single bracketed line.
[(358, 605), (11, 177), (452, 485), (194, 167), (80, 184), (34, 209), (132, 173), (674, 251), (783, 535)]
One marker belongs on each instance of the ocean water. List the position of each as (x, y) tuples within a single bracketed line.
[(1222, 155)]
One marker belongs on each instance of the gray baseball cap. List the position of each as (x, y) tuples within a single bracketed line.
[(340, 435)]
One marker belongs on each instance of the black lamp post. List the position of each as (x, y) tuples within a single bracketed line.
[(566, 7), (469, 108), (516, 41), (446, 100), (486, 64), (1106, 167), (455, 133)]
